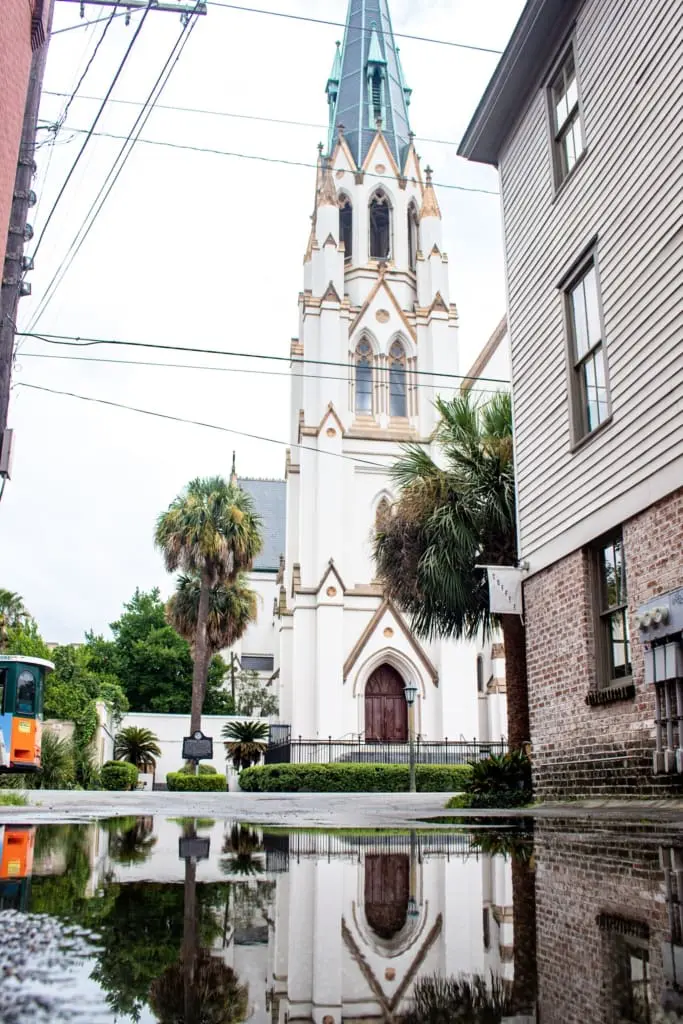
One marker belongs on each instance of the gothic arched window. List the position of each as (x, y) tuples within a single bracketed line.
[(413, 228), (364, 378), (346, 225), (382, 513), (380, 226), (398, 397)]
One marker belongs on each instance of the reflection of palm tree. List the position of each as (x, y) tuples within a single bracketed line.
[(199, 989), (468, 999), (241, 845), (132, 844)]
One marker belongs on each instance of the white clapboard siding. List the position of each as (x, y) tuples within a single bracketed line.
[(627, 192)]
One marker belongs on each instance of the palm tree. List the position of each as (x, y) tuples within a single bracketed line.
[(465, 998), (232, 606), (13, 612), (137, 745), (247, 741), (449, 520), (241, 846), (212, 530)]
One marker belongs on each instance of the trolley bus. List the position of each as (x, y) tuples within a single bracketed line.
[(16, 864), (22, 684)]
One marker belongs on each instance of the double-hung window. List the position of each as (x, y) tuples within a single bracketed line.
[(590, 398), (565, 114), (613, 641)]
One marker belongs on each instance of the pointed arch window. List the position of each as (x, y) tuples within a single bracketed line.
[(346, 225), (376, 95), (380, 226), (413, 234), (364, 378), (398, 396), (382, 513)]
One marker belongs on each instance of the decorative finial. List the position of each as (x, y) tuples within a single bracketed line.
[(233, 472), (328, 191), (320, 148), (430, 204), (378, 124), (411, 136), (428, 174), (341, 128)]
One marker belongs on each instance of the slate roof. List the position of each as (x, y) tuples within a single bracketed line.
[(270, 500), (352, 107)]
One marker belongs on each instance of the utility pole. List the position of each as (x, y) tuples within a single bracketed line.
[(13, 286)]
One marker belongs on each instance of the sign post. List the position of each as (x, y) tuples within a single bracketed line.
[(197, 747)]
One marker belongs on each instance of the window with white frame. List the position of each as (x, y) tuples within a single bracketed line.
[(398, 392), (565, 112), (363, 378)]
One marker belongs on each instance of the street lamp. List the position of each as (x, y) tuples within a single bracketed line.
[(410, 691)]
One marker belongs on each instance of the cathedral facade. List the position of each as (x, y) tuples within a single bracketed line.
[(378, 339)]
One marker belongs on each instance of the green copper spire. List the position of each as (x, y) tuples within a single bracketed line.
[(368, 86)]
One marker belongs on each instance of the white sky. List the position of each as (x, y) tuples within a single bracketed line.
[(198, 249)]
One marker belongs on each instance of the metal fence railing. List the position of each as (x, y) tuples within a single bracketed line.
[(357, 751)]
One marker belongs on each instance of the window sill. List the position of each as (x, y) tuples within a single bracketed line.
[(559, 189), (587, 438), (611, 694)]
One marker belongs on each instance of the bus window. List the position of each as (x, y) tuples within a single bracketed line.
[(26, 694), (3, 677)]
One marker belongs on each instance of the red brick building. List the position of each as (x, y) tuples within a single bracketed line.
[(582, 120), (23, 27)]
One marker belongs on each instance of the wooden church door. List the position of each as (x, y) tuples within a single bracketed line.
[(386, 711), (387, 890)]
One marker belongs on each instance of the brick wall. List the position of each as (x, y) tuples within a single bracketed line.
[(15, 63), (580, 750), (593, 887)]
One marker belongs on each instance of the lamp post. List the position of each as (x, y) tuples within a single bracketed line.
[(410, 690)]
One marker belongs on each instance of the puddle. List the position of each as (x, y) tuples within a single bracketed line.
[(213, 922)]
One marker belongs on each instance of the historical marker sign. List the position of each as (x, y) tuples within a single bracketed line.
[(197, 747), (194, 848)]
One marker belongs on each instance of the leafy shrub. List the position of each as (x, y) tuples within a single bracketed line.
[(352, 778), (119, 775), (247, 741), (204, 769), (13, 800), (57, 764), (181, 782), (498, 781), (446, 1000)]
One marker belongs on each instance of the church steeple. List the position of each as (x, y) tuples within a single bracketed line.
[(367, 84)]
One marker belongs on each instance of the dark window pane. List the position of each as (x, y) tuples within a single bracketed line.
[(398, 405), (380, 229), (621, 660), (257, 662), (363, 386), (26, 694)]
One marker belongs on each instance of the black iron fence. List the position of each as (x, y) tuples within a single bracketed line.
[(301, 751), (299, 845)]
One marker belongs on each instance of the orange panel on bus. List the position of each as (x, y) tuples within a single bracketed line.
[(25, 748), (17, 853)]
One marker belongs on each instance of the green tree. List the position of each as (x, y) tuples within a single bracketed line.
[(212, 530), (232, 606), (13, 611), (449, 518), (252, 693), (137, 745), (24, 638), (246, 742)]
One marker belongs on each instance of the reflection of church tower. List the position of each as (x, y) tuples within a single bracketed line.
[(376, 323)]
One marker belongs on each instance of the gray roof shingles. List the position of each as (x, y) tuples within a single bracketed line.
[(270, 501)]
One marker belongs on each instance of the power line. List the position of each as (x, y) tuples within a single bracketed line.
[(78, 341), (114, 172), (240, 117), (80, 81), (201, 423), (341, 24), (94, 21), (270, 159), (226, 369), (89, 132)]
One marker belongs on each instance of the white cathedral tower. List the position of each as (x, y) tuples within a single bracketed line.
[(378, 326)]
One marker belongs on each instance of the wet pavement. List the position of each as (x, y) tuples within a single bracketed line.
[(216, 920)]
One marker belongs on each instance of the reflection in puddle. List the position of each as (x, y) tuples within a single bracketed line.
[(212, 922)]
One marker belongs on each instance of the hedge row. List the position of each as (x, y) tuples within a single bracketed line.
[(352, 778), (119, 775), (180, 782)]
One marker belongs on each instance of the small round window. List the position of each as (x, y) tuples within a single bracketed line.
[(26, 694)]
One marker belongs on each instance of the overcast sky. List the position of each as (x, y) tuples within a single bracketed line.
[(199, 249)]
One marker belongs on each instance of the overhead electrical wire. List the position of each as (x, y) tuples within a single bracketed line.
[(78, 341), (121, 160), (342, 24), (201, 423), (89, 132), (230, 369), (270, 159), (84, 75), (239, 117), (93, 21)]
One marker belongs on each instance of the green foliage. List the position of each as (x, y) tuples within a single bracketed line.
[(13, 800), (13, 611), (24, 638), (247, 741), (465, 999), (252, 693), (241, 845), (138, 746), (181, 782), (217, 994), (118, 775), (57, 763), (352, 778), (232, 607), (450, 517), (131, 840), (204, 769), (152, 662), (498, 781)]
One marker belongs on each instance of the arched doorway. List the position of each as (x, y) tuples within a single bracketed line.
[(386, 711), (387, 890)]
